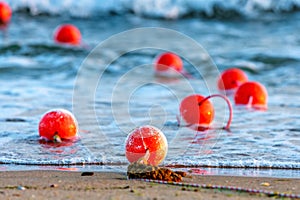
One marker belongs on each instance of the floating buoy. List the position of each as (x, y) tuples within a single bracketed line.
[(231, 79), (5, 13), (253, 95), (146, 140), (57, 125), (168, 64), (68, 34), (198, 112)]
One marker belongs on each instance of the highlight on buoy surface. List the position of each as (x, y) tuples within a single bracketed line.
[(57, 125), (231, 79), (253, 95), (147, 143), (5, 13), (198, 112), (67, 34), (168, 64)]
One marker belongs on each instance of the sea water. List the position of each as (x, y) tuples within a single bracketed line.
[(109, 83)]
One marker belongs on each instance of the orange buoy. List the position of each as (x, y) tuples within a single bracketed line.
[(58, 124), (168, 64), (5, 13), (231, 79), (68, 34), (252, 94), (198, 112), (143, 139)]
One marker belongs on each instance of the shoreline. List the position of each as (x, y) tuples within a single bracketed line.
[(50, 184), (215, 171)]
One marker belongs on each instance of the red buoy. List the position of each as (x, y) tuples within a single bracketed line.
[(231, 79), (168, 64), (198, 112), (68, 34), (5, 13), (58, 124), (143, 139), (252, 94)]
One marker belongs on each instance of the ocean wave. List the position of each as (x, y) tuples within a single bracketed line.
[(36, 60), (167, 9), (35, 49)]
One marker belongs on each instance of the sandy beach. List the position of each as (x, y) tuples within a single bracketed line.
[(100, 185)]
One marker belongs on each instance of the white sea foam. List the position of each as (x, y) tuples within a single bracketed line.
[(156, 8)]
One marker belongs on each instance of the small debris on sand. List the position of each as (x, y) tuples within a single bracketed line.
[(54, 185), (265, 184), (138, 170), (87, 173)]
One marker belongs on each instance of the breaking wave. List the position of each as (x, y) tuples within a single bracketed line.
[(167, 9)]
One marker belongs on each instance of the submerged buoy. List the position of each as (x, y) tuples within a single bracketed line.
[(5, 13), (59, 124), (146, 140), (168, 64), (67, 34), (231, 79), (253, 95), (198, 112)]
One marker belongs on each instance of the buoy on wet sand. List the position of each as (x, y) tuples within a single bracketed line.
[(147, 143), (59, 124)]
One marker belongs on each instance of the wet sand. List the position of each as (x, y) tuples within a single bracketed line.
[(100, 185)]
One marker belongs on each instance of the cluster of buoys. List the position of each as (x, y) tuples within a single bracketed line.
[(196, 110), (63, 34), (251, 94), (148, 144), (60, 124)]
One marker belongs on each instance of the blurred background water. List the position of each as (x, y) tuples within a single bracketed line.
[(36, 75)]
